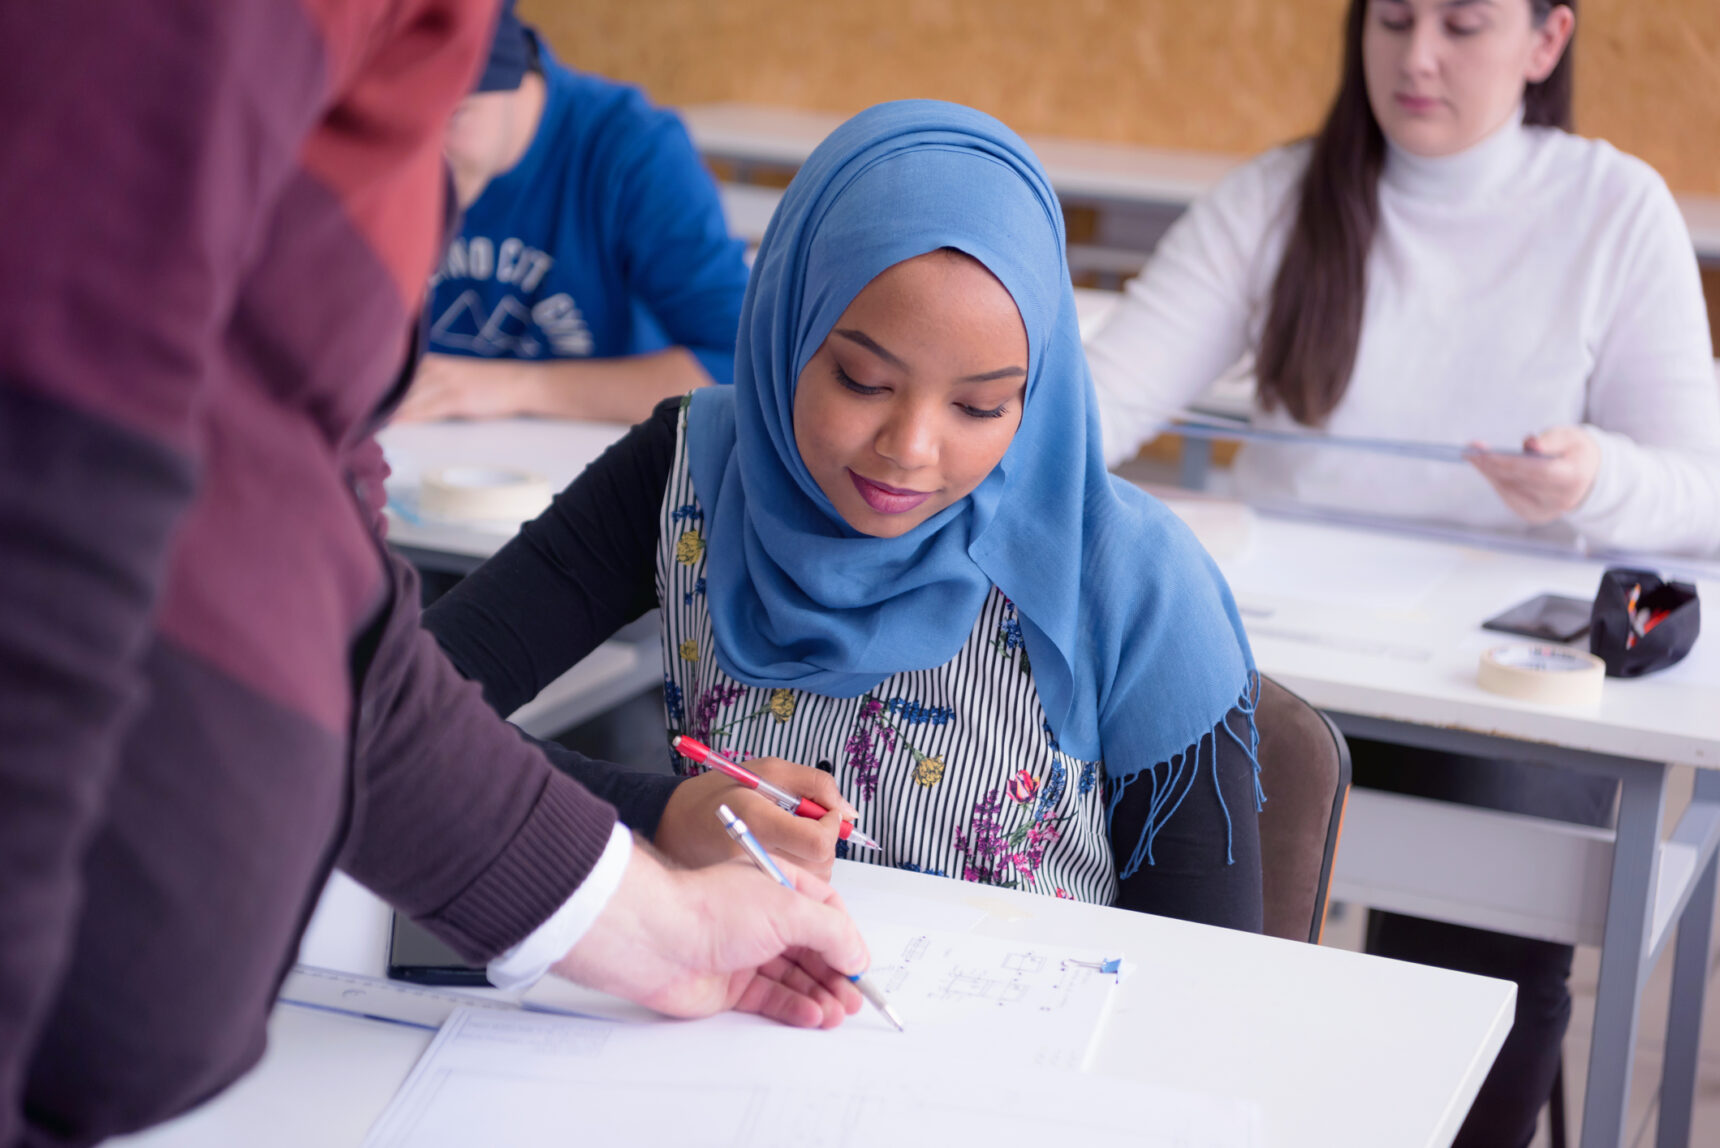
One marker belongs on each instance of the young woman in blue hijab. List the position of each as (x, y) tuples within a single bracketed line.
[(892, 549)]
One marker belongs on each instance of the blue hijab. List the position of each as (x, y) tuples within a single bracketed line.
[(1135, 646)]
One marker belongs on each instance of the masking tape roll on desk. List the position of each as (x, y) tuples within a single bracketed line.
[(483, 494), (1551, 674)]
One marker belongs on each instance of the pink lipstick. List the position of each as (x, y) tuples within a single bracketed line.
[(887, 499)]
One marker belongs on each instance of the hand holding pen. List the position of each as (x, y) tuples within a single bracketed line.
[(737, 829), (689, 832), (701, 754)]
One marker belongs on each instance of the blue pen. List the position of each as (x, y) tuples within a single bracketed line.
[(744, 838)]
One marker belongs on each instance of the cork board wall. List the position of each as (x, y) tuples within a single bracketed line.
[(1213, 75)]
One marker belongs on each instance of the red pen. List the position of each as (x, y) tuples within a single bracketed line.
[(699, 753)]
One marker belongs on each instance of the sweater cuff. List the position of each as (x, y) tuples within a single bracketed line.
[(1610, 489), (548, 859), (527, 962)]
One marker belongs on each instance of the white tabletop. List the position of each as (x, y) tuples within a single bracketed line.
[(1334, 1047), (1084, 169), (1389, 626), (556, 449)]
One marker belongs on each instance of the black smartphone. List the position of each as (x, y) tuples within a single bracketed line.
[(1550, 617), (414, 955)]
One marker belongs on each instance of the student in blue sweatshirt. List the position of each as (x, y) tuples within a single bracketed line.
[(594, 274)]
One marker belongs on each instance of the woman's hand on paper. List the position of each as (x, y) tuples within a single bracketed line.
[(1546, 488), (691, 834), (693, 942), (460, 387)]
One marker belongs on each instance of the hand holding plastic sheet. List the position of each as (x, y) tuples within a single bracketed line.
[(1566, 461)]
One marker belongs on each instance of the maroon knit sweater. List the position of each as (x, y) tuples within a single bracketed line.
[(216, 222)]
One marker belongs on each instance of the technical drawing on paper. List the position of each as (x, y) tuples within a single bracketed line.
[(946, 975), (1008, 984)]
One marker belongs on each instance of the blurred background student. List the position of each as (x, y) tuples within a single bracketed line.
[(1445, 261), (593, 274)]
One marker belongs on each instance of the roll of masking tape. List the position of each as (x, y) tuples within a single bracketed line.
[(1555, 675), (483, 494)]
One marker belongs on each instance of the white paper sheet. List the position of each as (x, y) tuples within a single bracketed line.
[(964, 992), (534, 1081)]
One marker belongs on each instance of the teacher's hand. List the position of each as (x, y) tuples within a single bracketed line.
[(691, 834), (1544, 489), (692, 942)]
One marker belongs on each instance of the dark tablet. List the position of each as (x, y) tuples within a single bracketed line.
[(414, 955), (1550, 617)]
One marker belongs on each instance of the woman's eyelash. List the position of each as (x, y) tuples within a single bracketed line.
[(843, 378), (1402, 25)]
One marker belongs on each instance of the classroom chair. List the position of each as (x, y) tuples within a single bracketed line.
[(1305, 770)]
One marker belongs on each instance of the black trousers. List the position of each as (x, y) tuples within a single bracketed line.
[(1510, 1100)]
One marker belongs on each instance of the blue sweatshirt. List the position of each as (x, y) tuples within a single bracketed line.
[(606, 239)]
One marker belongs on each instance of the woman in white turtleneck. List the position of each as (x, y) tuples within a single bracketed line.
[(1445, 262), (1432, 267)]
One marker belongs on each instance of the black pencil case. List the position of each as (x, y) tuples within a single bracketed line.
[(1629, 649)]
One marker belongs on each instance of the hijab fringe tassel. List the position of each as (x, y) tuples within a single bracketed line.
[(1172, 781)]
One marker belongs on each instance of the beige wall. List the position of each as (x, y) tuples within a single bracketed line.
[(1216, 75)]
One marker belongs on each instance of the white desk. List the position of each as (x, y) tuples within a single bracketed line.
[(1404, 672), (754, 133), (1336, 1048), (1398, 663), (557, 449)]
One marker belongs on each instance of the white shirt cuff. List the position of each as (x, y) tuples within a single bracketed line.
[(529, 960)]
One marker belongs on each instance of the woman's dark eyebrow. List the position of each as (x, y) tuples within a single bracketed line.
[(988, 376), (863, 339)]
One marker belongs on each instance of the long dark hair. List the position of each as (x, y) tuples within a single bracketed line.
[(1308, 346)]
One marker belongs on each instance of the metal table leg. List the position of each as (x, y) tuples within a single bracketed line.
[(1689, 986), (1195, 461), (1629, 944), (1624, 952)]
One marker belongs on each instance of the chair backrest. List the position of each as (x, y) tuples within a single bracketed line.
[(1305, 772)]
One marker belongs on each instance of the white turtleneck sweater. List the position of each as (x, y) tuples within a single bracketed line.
[(1537, 279)]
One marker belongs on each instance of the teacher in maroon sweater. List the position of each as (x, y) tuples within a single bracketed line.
[(216, 223)]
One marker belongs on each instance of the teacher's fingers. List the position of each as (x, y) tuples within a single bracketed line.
[(771, 998)]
